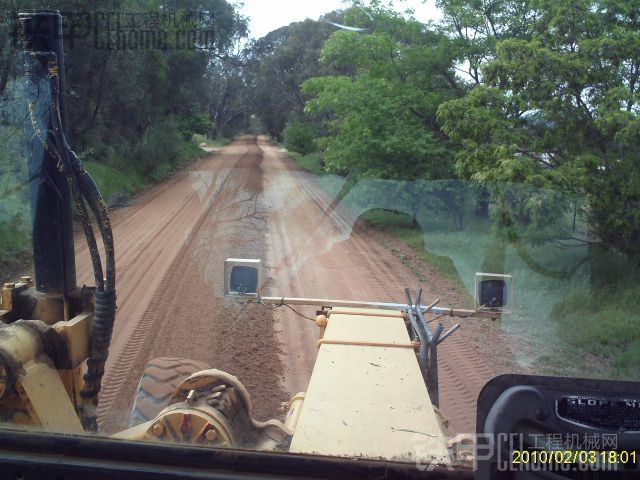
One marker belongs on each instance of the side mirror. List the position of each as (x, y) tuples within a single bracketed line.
[(494, 292), (242, 277)]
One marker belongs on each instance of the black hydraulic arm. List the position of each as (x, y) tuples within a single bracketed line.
[(41, 32), (53, 248)]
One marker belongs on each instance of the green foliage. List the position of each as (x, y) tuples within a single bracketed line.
[(559, 109), (114, 184), (165, 150), (159, 146), (132, 112), (556, 108), (379, 118), (162, 171), (15, 214), (14, 236), (217, 143), (604, 320), (279, 63), (165, 147), (475, 28), (299, 137), (118, 96), (228, 98), (198, 124), (311, 162)]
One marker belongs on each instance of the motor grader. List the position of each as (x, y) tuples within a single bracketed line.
[(371, 407)]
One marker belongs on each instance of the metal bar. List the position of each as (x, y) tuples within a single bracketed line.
[(431, 379), (450, 332), (326, 302), (433, 304), (433, 384), (420, 314), (413, 331), (423, 322), (423, 354)]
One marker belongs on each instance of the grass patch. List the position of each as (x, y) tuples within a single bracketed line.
[(119, 178), (311, 162), (15, 212), (333, 185), (14, 238), (113, 183), (400, 225), (603, 320), (119, 171)]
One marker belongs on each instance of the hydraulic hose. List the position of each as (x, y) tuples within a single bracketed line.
[(99, 208), (101, 331), (84, 190), (62, 156)]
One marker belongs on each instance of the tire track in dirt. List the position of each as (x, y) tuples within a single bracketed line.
[(149, 236), (186, 315)]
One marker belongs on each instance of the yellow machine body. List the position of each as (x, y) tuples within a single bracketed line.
[(366, 396)]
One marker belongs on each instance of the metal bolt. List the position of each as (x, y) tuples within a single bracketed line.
[(322, 321), (214, 399), (211, 435), (191, 396), (25, 279), (158, 429)]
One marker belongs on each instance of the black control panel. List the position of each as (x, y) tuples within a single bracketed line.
[(553, 427), (601, 412)]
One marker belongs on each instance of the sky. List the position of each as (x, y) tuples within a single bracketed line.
[(267, 15)]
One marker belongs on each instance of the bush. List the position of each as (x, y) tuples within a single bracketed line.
[(602, 318), (118, 169), (160, 145), (114, 184), (14, 235), (311, 162), (195, 124), (15, 214), (161, 172), (198, 138), (299, 137)]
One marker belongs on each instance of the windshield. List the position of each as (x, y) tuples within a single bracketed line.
[(481, 157)]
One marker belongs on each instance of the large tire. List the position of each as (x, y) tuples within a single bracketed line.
[(159, 379)]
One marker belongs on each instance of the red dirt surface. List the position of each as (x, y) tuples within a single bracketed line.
[(250, 200)]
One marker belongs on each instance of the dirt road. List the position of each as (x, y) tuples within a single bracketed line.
[(249, 200)]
